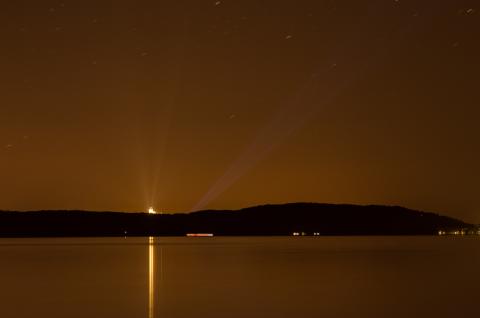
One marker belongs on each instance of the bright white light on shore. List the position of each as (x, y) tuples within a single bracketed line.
[(151, 211)]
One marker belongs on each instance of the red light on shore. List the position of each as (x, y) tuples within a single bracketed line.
[(199, 234)]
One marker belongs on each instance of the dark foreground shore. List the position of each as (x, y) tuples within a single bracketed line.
[(298, 218)]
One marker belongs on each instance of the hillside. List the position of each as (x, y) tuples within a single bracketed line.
[(326, 219)]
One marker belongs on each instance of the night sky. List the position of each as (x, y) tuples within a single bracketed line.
[(185, 105)]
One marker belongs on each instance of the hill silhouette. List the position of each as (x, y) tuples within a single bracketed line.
[(309, 218)]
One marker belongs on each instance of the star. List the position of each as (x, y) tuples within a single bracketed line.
[(466, 11)]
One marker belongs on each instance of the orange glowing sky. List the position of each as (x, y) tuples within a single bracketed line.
[(122, 105)]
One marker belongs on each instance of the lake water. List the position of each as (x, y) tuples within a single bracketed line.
[(240, 277)]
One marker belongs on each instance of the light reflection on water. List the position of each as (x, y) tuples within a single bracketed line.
[(239, 277), (151, 277), (155, 255)]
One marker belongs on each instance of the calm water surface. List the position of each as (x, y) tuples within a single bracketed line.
[(240, 277)]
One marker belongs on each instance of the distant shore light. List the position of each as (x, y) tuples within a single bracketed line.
[(200, 234), (152, 211)]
